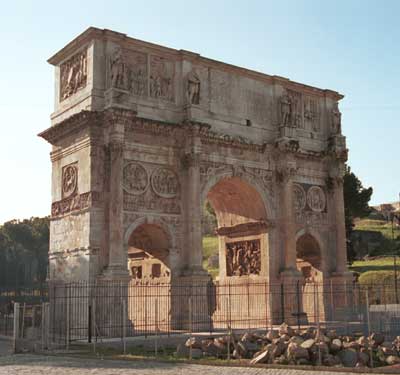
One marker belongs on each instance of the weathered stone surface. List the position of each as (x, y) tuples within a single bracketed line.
[(261, 357), (297, 352), (308, 344), (392, 360), (348, 357), (336, 345), (195, 342), (377, 338), (182, 351)]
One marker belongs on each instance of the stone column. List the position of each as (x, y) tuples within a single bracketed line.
[(117, 267), (193, 215), (287, 218), (289, 275), (341, 251)]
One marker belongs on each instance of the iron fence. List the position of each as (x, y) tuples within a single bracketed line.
[(26, 296), (90, 311)]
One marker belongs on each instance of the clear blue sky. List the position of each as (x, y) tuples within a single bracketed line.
[(349, 46)]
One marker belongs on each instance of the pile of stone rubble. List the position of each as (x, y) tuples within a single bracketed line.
[(288, 346)]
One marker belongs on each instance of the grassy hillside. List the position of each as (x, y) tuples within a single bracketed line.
[(380, 226)]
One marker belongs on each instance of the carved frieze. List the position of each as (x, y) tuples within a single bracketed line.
[(165, 182), (69, 180), (162, 72), (243, 258), (311, 218), (75, 203), (135, 178), (150, 201), (73, 75)]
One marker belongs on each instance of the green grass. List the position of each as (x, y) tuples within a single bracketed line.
[(380, 226), (382, 264), (210, 247)]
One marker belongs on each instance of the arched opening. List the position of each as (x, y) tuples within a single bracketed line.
[(148, 253), (309, 264), (241, 227), (309, 258)]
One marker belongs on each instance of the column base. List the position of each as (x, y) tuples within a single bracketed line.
[(116, 273), (197, 271)]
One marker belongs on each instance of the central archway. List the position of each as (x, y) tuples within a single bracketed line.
[(241, 227)]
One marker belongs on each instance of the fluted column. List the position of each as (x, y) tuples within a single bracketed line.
[(341, 250), (288, 234), (117, 263)]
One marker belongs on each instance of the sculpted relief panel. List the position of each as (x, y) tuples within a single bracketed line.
[(309, 203), (128, 71), (135, 178), (162, 73), (243, 258), (73, 75), (69, 183), (149, 187), (165, 182), (299, 111)]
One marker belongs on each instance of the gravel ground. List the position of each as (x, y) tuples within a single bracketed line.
[(51, 365)]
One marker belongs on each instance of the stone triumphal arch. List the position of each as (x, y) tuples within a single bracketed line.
[(143, 135)]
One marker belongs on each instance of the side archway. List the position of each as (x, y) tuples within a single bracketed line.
[(149, 243)]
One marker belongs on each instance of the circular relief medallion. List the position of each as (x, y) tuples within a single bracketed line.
[(316, 198), (165, 182), (135, 179), (299, 197), (69, 180)]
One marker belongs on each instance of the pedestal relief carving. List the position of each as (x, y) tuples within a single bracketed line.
[(73, 75), (69, 180), (316, 199), (162, 74), (135, 178), (243, 258), (165, 182)]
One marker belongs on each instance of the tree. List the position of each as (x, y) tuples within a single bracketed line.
[(24, 246), (356, 199)]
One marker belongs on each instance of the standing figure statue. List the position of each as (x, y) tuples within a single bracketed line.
[(193, 88), (286, 109), (118, 70), (336, 121)]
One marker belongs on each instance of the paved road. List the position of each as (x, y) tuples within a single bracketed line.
[(26, 364)]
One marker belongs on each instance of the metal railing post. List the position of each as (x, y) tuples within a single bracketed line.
[(16, 326)]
